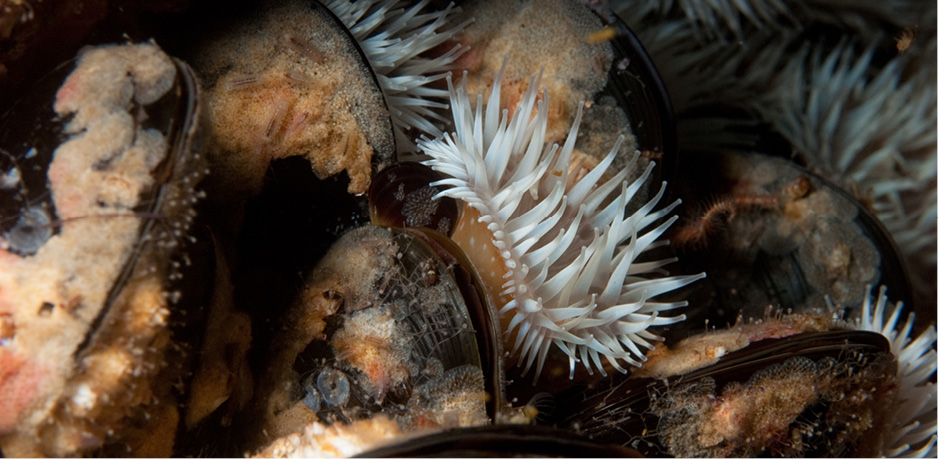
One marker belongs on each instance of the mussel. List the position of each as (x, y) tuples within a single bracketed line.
[(101, 160), (382, 326), (813, 394), (786, 238)]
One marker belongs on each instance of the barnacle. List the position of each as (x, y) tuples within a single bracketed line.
[(566, 281)]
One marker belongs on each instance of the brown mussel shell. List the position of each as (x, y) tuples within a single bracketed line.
[(635, 102), (483, 315), (673, 416), (637, 87), (401, 196)]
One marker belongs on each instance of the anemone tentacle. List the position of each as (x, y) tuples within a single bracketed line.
[(568, 247), (914, 424), (393, 35)]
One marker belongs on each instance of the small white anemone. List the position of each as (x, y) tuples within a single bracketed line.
[(569, 252), (913, 431), (393, 36)]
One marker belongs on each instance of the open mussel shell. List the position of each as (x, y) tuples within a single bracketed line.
[(768, 232), (401, 196), (381, 327), (101, 159), (811, 394), (502, 441), (483, 316)]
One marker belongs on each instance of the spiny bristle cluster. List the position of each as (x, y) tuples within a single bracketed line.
[(914, 425), (392, 37), (569, 251)]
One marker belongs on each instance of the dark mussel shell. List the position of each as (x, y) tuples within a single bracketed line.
[(30, 132), (128, 318), (637, 87), (382, 326), (502, 441), (769, 232), (634, 102), (479, 308), (401, 196), (832, 376)]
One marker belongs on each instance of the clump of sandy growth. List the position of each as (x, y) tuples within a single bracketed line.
[(321, 440), (86, 306), (289, 82), (551, 35)]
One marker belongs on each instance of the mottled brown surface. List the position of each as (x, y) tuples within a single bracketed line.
[(313, 97)]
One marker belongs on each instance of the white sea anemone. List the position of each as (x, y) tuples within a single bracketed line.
[(868, 130), (567, 253), (393, 36), (914, 430)]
